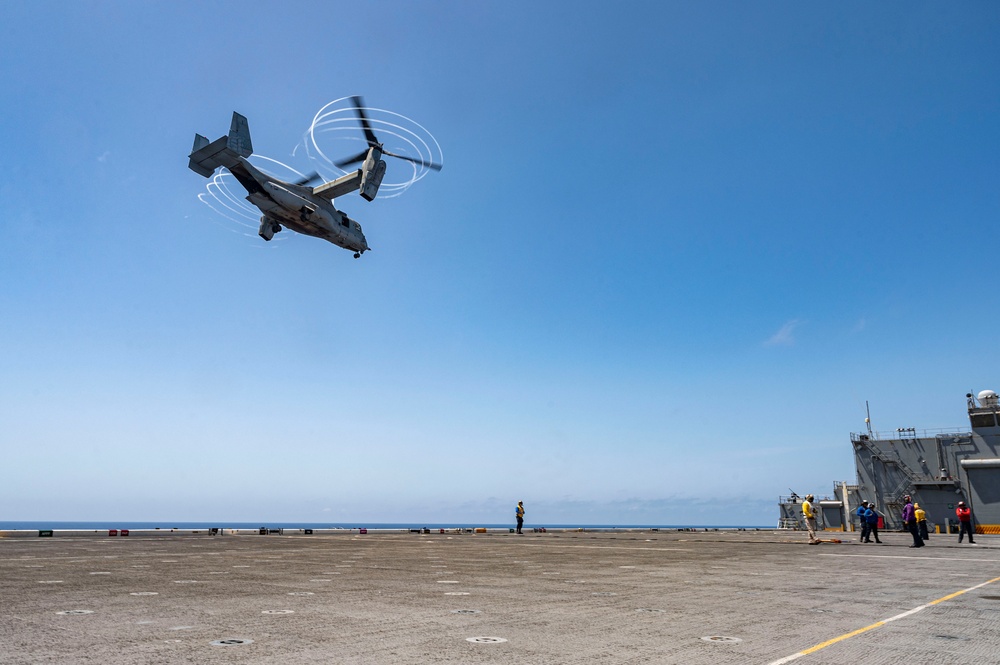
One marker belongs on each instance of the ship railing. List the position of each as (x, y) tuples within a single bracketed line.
[(798, 498), (907, 433), (791, 512)]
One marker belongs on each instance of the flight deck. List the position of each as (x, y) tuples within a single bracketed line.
[(558, 597)]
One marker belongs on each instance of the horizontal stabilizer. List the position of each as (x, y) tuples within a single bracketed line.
[(225, 151), (209, 156)]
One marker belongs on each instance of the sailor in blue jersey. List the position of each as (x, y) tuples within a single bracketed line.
[(860, 512), (871, 517), (519, 514)]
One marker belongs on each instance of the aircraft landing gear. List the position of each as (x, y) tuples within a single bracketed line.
[(357, 255), (268, 227)]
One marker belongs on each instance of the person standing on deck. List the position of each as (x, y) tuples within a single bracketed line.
[(964, 515), (921, 516), (871, 516), (860, 512), (519, 514), (910, 520), (810, 516)]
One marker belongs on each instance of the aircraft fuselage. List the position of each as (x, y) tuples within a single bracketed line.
[(296, 208)]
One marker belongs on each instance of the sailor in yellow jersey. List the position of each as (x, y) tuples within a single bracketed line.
[(921, 516), (807, 512)]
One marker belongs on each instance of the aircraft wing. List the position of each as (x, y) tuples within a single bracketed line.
[(345, 184)]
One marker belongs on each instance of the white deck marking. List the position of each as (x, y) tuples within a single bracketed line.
[(910, 558), (877, 624), (602, 547)]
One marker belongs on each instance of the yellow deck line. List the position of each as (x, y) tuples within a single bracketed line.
[(842, 637), (877, 624)]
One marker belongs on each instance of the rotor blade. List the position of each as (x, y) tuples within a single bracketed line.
[(415, 160), (360, 157), (359, 109), (307, 179)]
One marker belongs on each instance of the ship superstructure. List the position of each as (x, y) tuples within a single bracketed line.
[(938, 468)]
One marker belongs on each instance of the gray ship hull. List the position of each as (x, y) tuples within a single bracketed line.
[(938, 468)]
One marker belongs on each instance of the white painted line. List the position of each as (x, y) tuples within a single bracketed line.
[(598, 547), (877, 624), (909, 558)]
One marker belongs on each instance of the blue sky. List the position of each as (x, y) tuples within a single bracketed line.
[(673, 250)]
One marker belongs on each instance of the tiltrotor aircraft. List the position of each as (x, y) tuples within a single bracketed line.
[(296, 205)]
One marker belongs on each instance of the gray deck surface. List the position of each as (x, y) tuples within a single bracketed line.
[(569, 597)]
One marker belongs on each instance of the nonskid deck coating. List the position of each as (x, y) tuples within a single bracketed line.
[(638, 597)]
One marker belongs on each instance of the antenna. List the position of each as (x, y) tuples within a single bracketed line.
[(868, 420)]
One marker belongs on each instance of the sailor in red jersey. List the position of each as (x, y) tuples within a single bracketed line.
[(964, 514)]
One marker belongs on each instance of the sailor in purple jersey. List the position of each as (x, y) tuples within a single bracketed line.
[(910, 520)]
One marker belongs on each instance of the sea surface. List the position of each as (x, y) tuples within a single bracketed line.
[(128, 524)]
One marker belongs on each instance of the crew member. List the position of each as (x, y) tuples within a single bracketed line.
[(860, 512), (910, 521), (871, 517), (519, 514), (964, 514), (921, 516), (810, 517)]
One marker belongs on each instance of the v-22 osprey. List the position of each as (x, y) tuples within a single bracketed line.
[(296, 205)]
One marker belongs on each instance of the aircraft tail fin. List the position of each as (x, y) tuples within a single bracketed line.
[(199, 143), (207, 156), (239, 136)]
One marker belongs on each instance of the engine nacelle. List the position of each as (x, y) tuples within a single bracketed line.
[(371, 178), (268, 227)]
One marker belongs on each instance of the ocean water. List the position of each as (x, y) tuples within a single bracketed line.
[(128, 524)]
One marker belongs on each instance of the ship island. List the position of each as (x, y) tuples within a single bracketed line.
[(937, 468)]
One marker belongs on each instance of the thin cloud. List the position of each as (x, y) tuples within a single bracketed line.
[(785, 335)]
